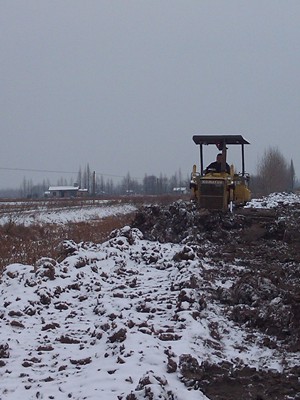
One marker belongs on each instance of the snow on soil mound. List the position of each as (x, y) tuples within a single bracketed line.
[(274, 200), (107, 321), (134, 318)]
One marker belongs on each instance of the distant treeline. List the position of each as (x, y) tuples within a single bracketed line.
[(98, 185), (274, 174)]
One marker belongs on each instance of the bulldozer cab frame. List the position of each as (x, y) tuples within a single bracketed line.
[(220, 190)]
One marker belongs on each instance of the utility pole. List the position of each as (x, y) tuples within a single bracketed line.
[(94, 185)]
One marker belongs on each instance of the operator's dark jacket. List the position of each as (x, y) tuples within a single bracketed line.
[(216, 166)]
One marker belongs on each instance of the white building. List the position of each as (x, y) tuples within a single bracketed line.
[(63, 191)]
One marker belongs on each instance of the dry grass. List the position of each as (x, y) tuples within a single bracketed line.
[(26, 245)]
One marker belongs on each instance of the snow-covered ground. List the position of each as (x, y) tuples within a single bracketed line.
[(273, 200), (111, 319), (63, 215)]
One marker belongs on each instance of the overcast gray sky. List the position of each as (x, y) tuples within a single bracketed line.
[(124, 84)]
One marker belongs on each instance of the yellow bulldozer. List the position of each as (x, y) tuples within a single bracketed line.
[(220, 188)]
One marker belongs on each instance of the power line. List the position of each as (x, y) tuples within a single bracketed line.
[(60, 172), (37, 170)]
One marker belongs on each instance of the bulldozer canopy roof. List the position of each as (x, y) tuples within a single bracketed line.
[(217, 139)]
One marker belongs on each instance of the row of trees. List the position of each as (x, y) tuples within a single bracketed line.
[(274, 174), (98, 185), (150, 184)]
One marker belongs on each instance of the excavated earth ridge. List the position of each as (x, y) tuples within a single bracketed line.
[(264, 296)]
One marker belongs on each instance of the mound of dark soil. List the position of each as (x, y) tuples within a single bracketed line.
[(266, 297)]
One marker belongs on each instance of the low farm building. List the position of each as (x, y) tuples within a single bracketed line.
[(182, 190), (66, 191)]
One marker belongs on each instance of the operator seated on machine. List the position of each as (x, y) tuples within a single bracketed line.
[(216, 166)]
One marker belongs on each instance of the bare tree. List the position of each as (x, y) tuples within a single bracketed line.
[(26, 188), (150, 184), (273, 172), (88, 176), (126, 184), (292, 176), (100, 184), (79, 177)]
